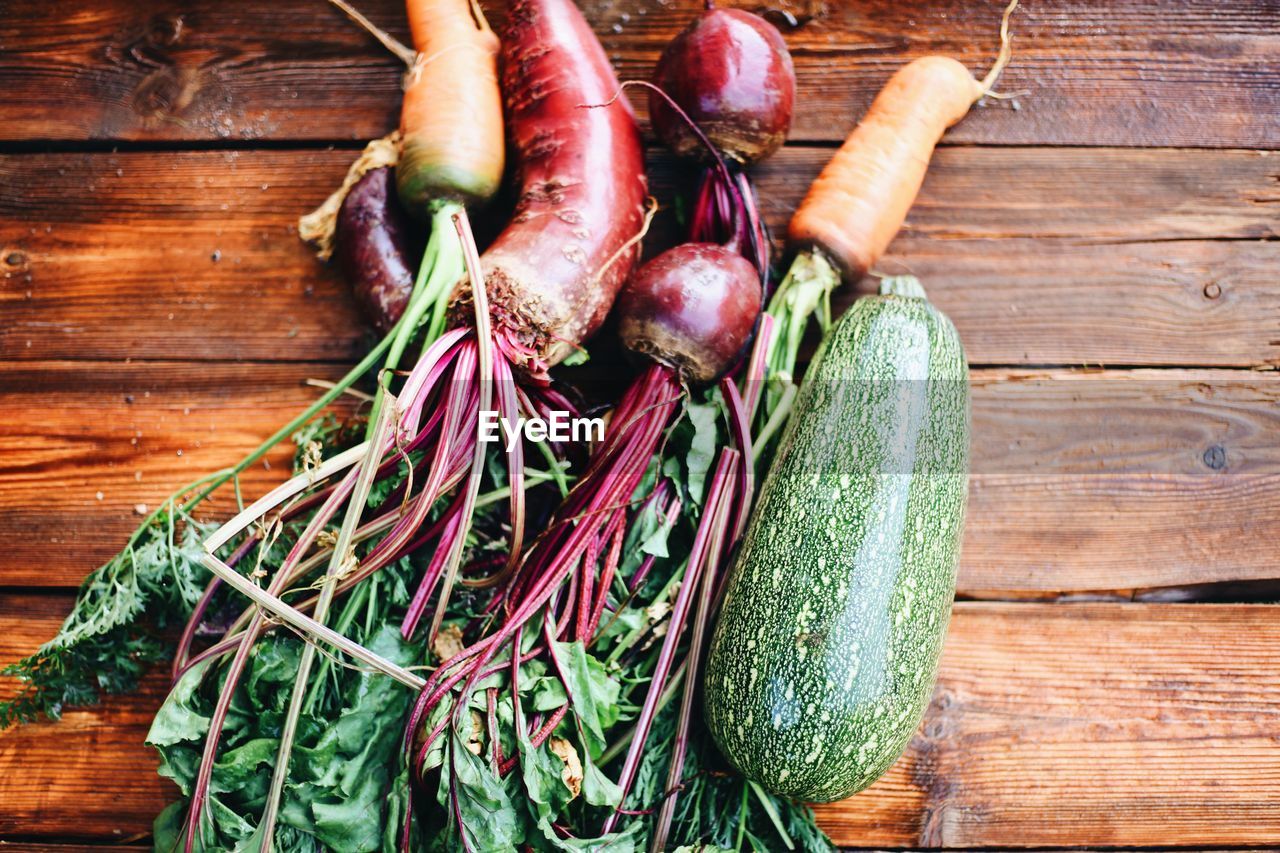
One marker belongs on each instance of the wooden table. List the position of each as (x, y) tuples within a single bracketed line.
[(1105, 244)]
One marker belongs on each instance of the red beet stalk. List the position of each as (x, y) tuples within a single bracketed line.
[(552, 275)]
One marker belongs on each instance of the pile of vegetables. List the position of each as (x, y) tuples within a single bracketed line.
[(423, 640)]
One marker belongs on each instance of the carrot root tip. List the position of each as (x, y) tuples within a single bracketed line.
[(1004, 55)]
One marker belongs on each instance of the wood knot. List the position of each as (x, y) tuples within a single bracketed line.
[(165, 30), (173, 80), (1212, 290), (793, 16), (1215, 457), (166, 91)]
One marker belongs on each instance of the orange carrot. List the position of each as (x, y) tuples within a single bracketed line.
[(453, 146), (450, 148), (860, 200)]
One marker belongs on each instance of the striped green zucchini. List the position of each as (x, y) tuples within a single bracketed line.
[(826, 647)]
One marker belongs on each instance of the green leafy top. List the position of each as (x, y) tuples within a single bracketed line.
[(348, 781)]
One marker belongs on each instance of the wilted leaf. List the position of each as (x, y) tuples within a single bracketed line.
[(571, 773), (448, 642)]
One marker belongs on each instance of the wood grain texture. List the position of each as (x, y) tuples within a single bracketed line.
[(1079, 725), (170, 255), (88, 776), (1053, 256), (1087, 725), (1082, 482), (1121, 480), (1138, 72), (88, 448)]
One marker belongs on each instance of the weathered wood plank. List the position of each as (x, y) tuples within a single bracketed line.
[(88, 776), (1037, 302), (1139, 72), (1056, 256), (89, 448), (1076, 725), (1082, 482), (170, 255), (1119, 480), (1089, 725)]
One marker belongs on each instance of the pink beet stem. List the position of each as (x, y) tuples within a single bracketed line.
[(719, 518), (700, 557)]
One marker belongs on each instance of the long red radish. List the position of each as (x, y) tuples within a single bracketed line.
[(857, 204), (554, 273)]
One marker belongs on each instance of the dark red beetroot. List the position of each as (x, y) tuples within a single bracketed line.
[(375, 248), (731, 72), (691, 308), (553, 274)]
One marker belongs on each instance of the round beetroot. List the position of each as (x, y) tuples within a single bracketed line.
[(692, 308), (731, 72)]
